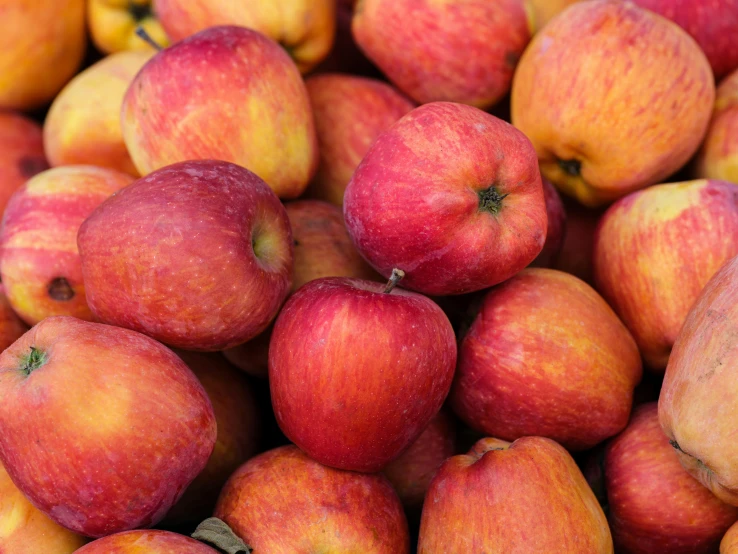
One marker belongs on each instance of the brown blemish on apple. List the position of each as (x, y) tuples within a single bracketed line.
[(31, 165), (512, 59), (60, 290)]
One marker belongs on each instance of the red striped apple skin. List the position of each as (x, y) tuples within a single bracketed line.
[(283, 501), (148, 541), (40, 265), (356, 374), (105, 431), (718, 157), (654, 252)]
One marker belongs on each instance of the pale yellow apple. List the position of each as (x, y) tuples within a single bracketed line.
[(113, 25)]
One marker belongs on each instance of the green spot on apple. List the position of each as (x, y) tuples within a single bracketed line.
[(490, 200), (32, 361)]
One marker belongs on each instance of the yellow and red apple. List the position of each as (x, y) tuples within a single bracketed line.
[(718, 157)]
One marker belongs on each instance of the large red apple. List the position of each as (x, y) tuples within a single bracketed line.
[(197, 255), (654, 505), (546, 356), (502, 498), (103, 428), (146, 542), (357, 370), (283, 501), (450, 195)]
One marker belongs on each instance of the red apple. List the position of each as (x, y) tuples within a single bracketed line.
[(445, 51), (350, 113), (225, 93), (501, 498), (148, 542), (357, 370), (654, 252), (577, 251), (450, 195), (546, 356), (197, 255), (654, 505), (556, 231), (39, 261), (103, 428), (11, 326), (252, 357), (282, 501)]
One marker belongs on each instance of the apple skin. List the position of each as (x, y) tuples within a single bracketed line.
[(243, 101), (548, 332), (11, 326), (666, 98), (211, 293), (556, 231), (469, 59), (718, 157), (39, 262), (304, 28), (502, 498), (346, 357), (654, 252), (412, 472), (42, 47), (350, 113), (729, 544), (83, 123), (113, 25), (654, 504), (21, 153), (148, 541), (577, 251), (101, 396), (252, 357), (714, 25), (452, 196), (542, 11), (26, 530), (335, 511), (239, 433), (699, 389)]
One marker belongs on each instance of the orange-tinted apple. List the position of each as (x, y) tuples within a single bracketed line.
[(546, 356), (462, 52), (226, 93), (654, 505), (41, 48), (556, 231), (543, 11), (729, 544), (350, 113), (304, 28), (637, 117), (83, 124), (577, 251), (654, 252), (39, 261), (718, 157), (113, 25), (146, 542), (11, 326), (502, 498), (103, 428), (283, 501)]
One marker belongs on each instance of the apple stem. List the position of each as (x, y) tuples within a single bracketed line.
[(31, 362), (397, 275), (141, 32), (216, 532)]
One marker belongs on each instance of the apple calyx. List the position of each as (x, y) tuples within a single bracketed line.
[(32, 361), (490, 200), (395, 277), (571, 167), (216, 532), (675, 445), (59, 289), (141, 33)]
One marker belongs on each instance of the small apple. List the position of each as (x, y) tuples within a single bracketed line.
[(113, 25), (252, 357), (543, 11), (577, 251), (212, 256), (556, 231), (146, 542), (450, 195), (718, 157)]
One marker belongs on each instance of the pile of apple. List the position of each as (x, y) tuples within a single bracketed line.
[(294, 276)]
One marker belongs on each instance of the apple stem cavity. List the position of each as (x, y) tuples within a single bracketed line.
[(59, 289), (139, 11), (217, 533), (141, 32), (490, 200), (571, 167), (396, 277), (32, 361)]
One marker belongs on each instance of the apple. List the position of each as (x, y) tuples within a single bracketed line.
[(502, 498), (83, 123), (103, 428), (718, 157), (450, 195), (714, 25), (543, 11), (412, 472), (643, 244), (197, 255), (556, 231), (252, 357), (654, 505), (469, 59), (11, 326), (284, 501), (577, 251), (39, 262), (226, 93), (639, 115), (148, 542), (26, 530), (304, 28), (113, 25), (42, 47), (700, 390), (21, 153), (729, 544), (546, 356), (357, 370)]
